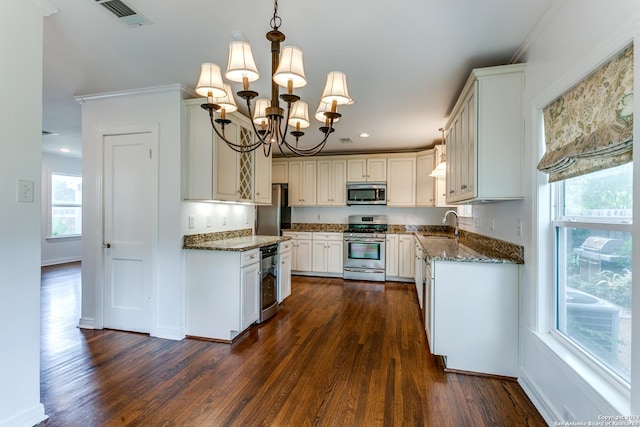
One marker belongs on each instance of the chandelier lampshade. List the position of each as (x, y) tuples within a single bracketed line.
[(335, 89), (226, 102), (324, 108), (259, 113), (210, 81), (291, 68), (299, 117), (241, 64)]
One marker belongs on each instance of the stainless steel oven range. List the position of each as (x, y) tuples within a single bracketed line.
[(364, 248)]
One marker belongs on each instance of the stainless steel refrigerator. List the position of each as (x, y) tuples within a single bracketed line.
[(270, 220)]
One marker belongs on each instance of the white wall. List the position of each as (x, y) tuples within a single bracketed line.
[(21, 124), (556, 54), (334, 215), (59, 250), (157, 105)]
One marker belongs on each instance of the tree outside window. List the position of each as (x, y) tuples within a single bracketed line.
[(66, 205)]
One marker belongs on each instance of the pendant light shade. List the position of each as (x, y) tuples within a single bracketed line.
[(335, 89), (210, 81), (259, 114), (439, 171), (291, 68), (227, 102), (241, 63), (299, 117), (322, 108)]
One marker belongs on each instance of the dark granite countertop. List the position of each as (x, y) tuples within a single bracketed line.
[(447, 248), (237, 243), (236, 240)]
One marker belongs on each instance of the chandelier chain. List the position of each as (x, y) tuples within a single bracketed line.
[(276, 21)]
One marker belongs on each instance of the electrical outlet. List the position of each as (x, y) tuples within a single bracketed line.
[(246, 219), (519, 227), (493, 225), (192, 221), (318, 217), (208, 221), (224, 220)]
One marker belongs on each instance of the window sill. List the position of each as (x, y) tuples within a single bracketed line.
[(64, 238), (608, 388)]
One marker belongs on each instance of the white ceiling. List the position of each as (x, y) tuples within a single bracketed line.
[(406, 61)]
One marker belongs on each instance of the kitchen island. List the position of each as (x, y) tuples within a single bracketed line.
[(223, 282)]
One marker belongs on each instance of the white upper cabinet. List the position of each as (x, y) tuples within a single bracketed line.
[(367, 168), (261, 177), (214, 170), (485, 137), (401, 181), (331, 182), (425, 184), (302, 183), (279, 171)]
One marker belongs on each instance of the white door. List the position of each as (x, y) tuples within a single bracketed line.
[(130, 227)]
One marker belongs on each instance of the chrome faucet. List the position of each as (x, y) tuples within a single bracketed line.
[(456, 232)]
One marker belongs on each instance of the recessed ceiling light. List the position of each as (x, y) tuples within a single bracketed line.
[(364, 135), (46, 132), (65, 150)]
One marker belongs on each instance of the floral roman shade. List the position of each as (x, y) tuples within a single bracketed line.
[(590, 127)]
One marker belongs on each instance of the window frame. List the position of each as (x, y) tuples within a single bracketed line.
[(51, 205), (558, 222)]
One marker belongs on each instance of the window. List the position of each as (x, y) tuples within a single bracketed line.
[(593, 256), (66, 205)]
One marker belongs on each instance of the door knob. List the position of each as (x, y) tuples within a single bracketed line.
[(106, 245)]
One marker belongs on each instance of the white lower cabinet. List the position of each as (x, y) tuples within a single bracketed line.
[(474, 316), (222, 292), (301, 250), (391, 255), (400, 257), (284, 270), (316, 252), (406, 256), (327, 252)]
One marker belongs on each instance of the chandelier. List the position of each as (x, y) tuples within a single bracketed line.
[(287, 70)]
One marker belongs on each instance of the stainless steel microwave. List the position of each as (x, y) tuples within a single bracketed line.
[(366, 193)]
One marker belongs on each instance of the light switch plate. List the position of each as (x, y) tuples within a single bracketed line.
[(24, 191)]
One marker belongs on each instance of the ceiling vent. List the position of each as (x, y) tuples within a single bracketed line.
[(124, 13)]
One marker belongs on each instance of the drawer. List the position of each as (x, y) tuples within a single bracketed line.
[(298, 234), (286, 246), (327, 236), (250, 257)]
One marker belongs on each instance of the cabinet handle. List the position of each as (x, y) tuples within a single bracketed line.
[(451, 192), (463, 187)]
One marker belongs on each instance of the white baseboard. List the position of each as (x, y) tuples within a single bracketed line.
[(87, 323), (174, 334), (29, 418), (48, 262), (537, 399)]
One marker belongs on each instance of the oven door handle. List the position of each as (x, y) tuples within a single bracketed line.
[(363, 270), (365, 240)]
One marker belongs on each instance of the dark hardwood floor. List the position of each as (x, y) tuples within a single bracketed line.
[(339, 353)]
